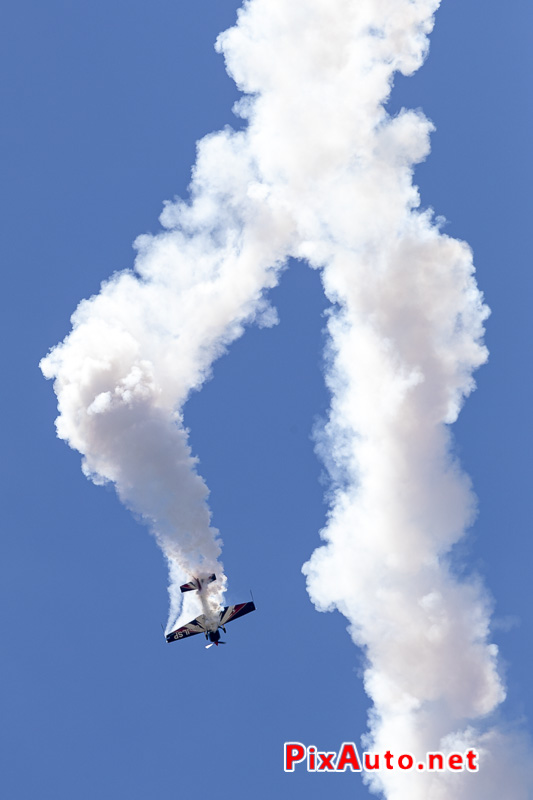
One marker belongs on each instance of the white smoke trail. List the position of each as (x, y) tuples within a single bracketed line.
[(320, 173), (405, 337), (139, 347)]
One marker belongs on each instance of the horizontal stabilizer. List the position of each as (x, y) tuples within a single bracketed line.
[(197, 583)]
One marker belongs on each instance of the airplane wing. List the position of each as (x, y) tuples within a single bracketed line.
[(198, 625), (201, 623), (234, 612)]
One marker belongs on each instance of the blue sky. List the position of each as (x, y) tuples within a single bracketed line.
[(103, 104)]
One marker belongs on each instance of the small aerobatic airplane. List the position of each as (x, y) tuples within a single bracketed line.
[(202, 624)]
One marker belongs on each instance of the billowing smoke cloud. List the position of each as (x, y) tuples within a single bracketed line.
[(139, 347), (324, 174)]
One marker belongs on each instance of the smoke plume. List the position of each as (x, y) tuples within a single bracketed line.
[(139, 347), (321, 173)]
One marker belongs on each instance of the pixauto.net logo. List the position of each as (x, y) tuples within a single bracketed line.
[(347, 757)]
